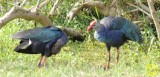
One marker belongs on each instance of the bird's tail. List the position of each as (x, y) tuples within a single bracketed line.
[(24, 47), (132, 32), (138, 37)]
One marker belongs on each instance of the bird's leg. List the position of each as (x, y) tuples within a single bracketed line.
[(108, 60), (117, 56), (108, 57), (42, 61), (46, 54)]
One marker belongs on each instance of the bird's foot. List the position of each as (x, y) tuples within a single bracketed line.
[(116, 61), (106, 67), (40, 65), (41, 62)]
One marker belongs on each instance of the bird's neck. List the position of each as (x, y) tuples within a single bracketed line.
[(100, 28), (100, 31), (101, 34)]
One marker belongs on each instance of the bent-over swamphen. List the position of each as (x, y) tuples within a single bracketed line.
[(114, 32), (46, 41)]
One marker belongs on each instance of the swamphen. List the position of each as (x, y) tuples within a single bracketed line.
[(114, 32), (46, 41)]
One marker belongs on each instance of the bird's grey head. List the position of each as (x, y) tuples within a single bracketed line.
[(94, 25)]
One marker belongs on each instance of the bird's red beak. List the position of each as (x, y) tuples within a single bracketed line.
[(89, 28), (91, 25)]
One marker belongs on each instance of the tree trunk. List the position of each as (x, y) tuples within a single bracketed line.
[(154, 17), (31, 14)]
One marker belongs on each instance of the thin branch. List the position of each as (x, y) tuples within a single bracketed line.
[(140, 4), (31, 14), (44, 3), (154, 17), (55, 6), (133, 10), (37, 5), (74, 34), (142, 10), (22, 4), (18, 12), (17, 3), (73, 12), (113, 3), (102, 8)]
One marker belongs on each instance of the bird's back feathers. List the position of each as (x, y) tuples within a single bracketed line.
[(34, 48), (47, 40), (130, 30), (45, 34)]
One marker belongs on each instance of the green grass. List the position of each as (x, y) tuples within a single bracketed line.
[(77, 59)]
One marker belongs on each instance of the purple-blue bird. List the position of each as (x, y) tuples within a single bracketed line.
[(46, 41), (114, 32)]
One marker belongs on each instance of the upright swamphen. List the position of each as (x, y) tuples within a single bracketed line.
[(46, 41), (114, 32)]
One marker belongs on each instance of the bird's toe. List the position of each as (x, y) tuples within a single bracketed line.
[(40, 65), (106, 67)]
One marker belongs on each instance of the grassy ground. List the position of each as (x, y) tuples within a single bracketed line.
[(78, 59)]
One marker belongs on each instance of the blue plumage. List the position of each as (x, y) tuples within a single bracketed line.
[(113, 38), (130, 30), (46, 40), (44, 34), (114, 32)]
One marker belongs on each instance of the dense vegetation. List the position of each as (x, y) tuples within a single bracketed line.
[(79, 59)]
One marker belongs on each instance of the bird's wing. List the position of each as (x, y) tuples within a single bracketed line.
[(112, 23), (130, 30), (44, 34)]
